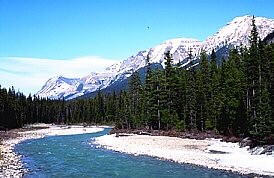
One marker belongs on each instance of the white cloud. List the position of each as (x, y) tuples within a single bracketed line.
[(30, 74)]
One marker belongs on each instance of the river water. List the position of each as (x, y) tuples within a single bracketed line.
[(77, 156)]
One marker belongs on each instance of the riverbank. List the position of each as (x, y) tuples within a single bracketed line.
[(211, 153), (10, 164)]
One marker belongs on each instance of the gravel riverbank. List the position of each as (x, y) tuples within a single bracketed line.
[(210, 153), (10, 163)]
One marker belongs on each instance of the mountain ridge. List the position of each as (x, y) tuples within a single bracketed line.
[(234, 34)]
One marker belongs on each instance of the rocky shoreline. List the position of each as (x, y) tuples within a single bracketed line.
[(10, 162)]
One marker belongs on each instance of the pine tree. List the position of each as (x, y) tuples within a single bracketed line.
[(190, 114), (169, 94), (100, 112), (265, 123), (269, 50), (214, 89), (135, 98), (204, 121), (111, 107), (180, 100), (156, 99), (233, 94), (253, 74), (147, 92)]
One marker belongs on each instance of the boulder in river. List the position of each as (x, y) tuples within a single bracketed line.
[(246, 142)]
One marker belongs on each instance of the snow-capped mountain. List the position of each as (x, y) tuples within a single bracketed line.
[(68, 88), (235, 33)]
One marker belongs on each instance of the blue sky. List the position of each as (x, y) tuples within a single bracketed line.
[(38, 35)]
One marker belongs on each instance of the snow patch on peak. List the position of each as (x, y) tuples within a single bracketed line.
[(180, 40), (240, 18), (113, 68)]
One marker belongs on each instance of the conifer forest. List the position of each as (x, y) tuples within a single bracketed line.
[(234, 97)]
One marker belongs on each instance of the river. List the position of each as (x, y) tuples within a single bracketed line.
[(77, 156)]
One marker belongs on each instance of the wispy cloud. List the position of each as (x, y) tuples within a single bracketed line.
[(29, 74)]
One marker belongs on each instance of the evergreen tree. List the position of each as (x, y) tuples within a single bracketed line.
[(214, 89), (253, 75), (202, 102), (157, 99), (269, 50), (169, 93), (190, 114), (233, 94), (111, 107), (265, 123), (135, 98), (100, 112), (147, 93), (180, 100)]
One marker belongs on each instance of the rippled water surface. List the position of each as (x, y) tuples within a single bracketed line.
[(77, 156)]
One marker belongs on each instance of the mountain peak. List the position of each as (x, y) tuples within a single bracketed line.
[(242, 18), (236, 32)]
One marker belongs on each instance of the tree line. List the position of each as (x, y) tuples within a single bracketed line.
[(235, 98)]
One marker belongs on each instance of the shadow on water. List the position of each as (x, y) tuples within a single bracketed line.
[(77, 156)]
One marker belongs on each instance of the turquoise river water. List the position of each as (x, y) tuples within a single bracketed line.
[(77, 156)]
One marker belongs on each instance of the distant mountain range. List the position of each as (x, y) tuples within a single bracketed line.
[(235, 33)]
